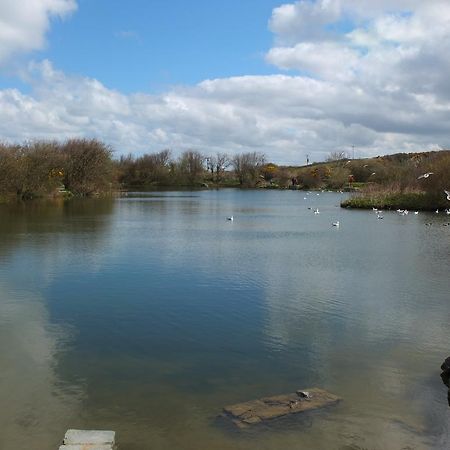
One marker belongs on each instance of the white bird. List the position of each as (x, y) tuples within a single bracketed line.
[(379, 216), (437, 211), (425, 175), (231, 218), (405, 212), (375, 209), (401, 211), (416, 212), (304, 198), (366, 165), (448, 194), (373, 173), (316, 211), (335, 224), (447, 211)]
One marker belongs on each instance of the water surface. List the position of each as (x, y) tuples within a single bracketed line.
[(148, 313)]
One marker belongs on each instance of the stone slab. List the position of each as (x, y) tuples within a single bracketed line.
[(267, 408), (99, 437), (86, 447)]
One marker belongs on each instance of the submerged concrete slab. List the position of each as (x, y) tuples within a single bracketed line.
[(99, 437), (267, 408)]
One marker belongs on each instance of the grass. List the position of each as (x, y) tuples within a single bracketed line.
[(395, 200)]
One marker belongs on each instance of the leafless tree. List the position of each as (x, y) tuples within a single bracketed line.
[(190, 166), (247, 167)]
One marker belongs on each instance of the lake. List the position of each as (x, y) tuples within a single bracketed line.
[(148, 313)]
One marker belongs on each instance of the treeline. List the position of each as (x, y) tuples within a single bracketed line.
[(42, 168), (191, 168), (85, 167)]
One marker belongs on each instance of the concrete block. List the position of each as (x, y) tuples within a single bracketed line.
[(86, 447), (99, 437)]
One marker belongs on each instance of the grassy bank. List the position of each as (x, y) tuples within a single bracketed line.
[(398, 200)]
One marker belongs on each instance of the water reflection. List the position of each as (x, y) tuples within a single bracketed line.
[(36, 404), (156, 311)]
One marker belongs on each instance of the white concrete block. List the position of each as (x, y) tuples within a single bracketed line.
[(89, 437), (86, 447)]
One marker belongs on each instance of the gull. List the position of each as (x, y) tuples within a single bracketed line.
[(316, 211), (379, 216), (348, 162), (447, 211), (405, 212), (335, 224), (416, 212), (375, 209), (366, 165), (231, 218), (448, 194), (437, 211), (304, 198), (373, 173), (401, 211), (425, 175)]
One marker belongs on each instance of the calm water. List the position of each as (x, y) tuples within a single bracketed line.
[(147, 314)]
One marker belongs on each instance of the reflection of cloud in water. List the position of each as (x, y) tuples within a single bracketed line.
[(36, 409), (375, 344)]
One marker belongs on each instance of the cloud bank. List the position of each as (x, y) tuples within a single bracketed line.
[(371, 74), (23, 24)]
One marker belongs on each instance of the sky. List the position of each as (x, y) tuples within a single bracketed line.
[(287, 79)]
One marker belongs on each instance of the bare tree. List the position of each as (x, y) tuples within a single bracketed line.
[(190, 166), (337, 155), (217, 165), (247, 167)]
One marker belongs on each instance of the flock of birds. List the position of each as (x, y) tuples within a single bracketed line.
[(379, 212)]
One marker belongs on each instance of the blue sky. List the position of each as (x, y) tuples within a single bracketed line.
[(141, 45), (286, 78)]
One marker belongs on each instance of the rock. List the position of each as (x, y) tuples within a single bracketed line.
[(267, 408), (446, 365), (445, 375)]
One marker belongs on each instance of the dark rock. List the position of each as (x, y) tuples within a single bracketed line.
[(445, 375), (446, 365)]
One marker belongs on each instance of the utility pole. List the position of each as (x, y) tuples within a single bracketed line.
[(307, 160)]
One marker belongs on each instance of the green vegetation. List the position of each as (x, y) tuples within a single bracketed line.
[(398, 181), (84, 167), (44, 168)]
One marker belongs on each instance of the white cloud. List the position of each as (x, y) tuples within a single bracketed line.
[(294, 21), (327, 60), (23, 24), (284, 116), (379, 84)]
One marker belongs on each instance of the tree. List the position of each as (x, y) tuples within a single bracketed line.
[(247, 167), (217, 165), (88, 166), (190, 166), (337, 155)]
